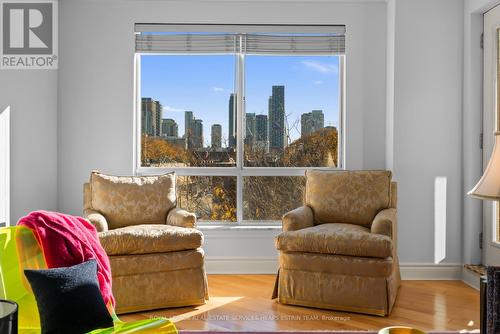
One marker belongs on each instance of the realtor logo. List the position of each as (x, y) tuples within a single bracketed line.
[(29, 34)]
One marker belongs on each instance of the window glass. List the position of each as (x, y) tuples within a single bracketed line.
[(292, 111), (188, 111), (212, 198), (269, 197)]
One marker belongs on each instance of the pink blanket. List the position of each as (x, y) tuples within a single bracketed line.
[(68, 240)]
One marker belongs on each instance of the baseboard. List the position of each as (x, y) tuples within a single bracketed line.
[(269, 265), (431, 271), (241, 265), (470, 278)]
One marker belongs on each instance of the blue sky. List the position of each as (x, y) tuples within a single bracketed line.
[(202, 84)]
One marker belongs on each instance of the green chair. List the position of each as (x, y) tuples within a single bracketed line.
[(19, 250)]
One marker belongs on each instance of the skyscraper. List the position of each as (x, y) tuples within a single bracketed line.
[(232, 120), (216, 136), (169, 128), (146, 119), (311, 122), (157, 118), (151, 116), (306, 124), (188, 128), (318, 119), (261, 140), (277, 119), (250, 130), (197, 137)]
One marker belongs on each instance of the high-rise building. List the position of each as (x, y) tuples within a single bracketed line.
[(233, 119), (151, 116), (311, 122), (261, 129), (169, 128), (318, 119), (146, 119), (188, 128), (250, 130), (277, 119), (157, 116), (216, 136), (193, 131), (197, 137), (306, 124)]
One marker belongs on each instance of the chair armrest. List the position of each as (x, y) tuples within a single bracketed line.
[(96, 219), (298, 219), (385, 223), (182, 218)]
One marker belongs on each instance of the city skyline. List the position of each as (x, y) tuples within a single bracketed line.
[(258, 131), (203, 85)]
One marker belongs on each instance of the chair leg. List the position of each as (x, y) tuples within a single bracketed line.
[(276, 282)]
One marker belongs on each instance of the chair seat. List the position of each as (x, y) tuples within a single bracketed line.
[(148, 239), (338, 239)]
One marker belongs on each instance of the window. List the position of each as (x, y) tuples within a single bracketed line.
[(239, 115)]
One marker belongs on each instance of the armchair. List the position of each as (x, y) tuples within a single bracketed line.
[(338, 250), (154, 247)]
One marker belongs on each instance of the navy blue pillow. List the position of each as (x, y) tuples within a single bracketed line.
[(69, 299)]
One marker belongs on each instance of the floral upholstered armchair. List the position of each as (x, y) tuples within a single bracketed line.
[(338, 250), (154, 247)]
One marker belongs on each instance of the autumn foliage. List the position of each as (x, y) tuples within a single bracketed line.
[(157, 152), (264, 197)]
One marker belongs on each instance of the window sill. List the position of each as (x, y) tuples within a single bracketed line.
[(227, 227)]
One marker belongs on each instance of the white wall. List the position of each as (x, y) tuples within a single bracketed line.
[(32, 96), (96, 88), (390, 53), (5, 167), (428, 122)]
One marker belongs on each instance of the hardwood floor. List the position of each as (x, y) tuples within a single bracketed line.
[(242, 302)]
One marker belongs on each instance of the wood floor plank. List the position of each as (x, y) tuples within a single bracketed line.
[(243, 302)]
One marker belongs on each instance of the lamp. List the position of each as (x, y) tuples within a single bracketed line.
[(488, 186)]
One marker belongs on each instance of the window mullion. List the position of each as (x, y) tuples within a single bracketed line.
[(137, 114), (341, 137), (240, 112)]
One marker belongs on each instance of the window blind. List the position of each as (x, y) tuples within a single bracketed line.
[(186, 43), (310, 44), (246, 39)]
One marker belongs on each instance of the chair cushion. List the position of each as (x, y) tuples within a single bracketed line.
[(147, 239), (338, 239), (352, 197), (129, 200)]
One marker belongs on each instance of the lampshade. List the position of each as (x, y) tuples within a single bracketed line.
[(488, 186)]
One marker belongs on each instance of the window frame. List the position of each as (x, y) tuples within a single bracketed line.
[(240, 171)]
